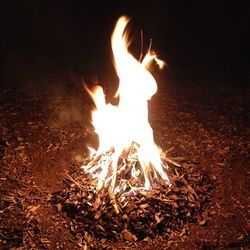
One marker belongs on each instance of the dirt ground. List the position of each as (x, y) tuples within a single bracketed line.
[(44, 130)]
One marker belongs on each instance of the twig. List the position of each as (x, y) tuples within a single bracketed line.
[(141, 55), (77, 183)]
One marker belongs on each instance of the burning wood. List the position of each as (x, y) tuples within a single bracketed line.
[(127, 159), (161, 212), (130, 189)]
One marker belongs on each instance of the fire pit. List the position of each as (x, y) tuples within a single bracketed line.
[(129, 188)]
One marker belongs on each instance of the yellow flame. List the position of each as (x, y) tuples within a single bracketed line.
[(118, 127)]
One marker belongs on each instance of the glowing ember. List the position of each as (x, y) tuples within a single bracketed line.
[(127, 157)]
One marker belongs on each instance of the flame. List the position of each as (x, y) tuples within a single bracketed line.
[(124, 130)]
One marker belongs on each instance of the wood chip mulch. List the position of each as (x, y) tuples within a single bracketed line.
[(163, 212)]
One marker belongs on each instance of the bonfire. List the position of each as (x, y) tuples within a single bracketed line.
[(130, 189), (127, 159)]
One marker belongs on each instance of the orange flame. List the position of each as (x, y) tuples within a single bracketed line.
[(116, 132)]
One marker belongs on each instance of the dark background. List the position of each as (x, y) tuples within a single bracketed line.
[(198, 39)]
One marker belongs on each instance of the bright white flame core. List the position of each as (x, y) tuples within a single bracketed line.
[(121, 126)]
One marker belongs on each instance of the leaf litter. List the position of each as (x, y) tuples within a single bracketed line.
[(98, 217)]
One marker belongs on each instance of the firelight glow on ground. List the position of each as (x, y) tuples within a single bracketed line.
[(127, 156)]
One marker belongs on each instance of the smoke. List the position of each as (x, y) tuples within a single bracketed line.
[(68, 103)]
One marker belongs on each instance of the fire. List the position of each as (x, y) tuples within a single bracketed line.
[(127, 156)]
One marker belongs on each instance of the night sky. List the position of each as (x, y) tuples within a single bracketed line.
[(206, 39)]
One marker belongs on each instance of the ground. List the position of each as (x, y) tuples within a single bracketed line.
[(44, 130)]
